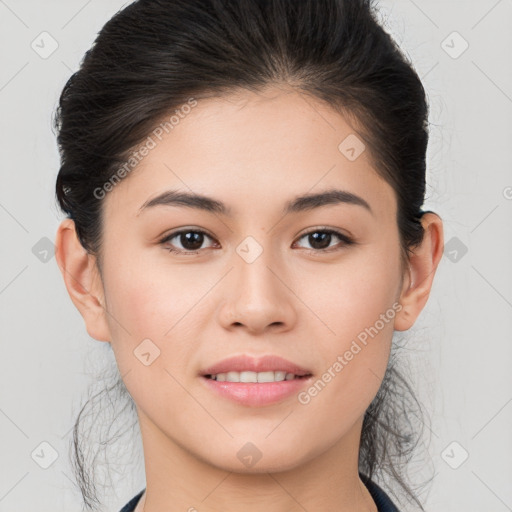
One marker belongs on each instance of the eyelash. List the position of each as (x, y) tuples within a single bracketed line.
[(347, 241)]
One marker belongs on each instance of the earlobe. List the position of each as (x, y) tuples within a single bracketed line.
[(423, 262), (82, 280)]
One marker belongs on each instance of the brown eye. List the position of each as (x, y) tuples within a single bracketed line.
[(320, 239), (190, 240)]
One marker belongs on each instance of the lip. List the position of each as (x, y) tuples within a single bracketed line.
[(253, 394), (245, 363)]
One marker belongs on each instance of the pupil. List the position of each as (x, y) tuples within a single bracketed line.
[(187, 239), (323, 236)]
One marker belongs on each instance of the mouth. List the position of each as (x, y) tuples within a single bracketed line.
[(246, 368), (252, 377), (254, 382)]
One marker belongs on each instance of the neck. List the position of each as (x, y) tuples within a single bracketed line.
[(176, 480)]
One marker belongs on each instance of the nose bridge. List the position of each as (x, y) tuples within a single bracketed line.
[(255, 265), (257, 296)]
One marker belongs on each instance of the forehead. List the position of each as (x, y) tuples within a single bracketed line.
[(250, 149)]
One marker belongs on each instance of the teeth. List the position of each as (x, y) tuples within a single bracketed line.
[(253, 376)]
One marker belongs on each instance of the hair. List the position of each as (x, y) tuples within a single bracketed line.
[(153, 56)]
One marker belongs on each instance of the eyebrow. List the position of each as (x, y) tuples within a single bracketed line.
[(298, 204)]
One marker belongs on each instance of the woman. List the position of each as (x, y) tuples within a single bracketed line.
[(243, 183)]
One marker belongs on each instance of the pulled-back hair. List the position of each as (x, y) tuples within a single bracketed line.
[(154, 55)]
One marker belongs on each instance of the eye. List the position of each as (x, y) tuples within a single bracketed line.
[(191, 240), (320, 240)]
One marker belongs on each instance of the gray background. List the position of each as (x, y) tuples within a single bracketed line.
[(459, 351)]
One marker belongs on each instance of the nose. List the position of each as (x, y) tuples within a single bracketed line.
[(258, 296)]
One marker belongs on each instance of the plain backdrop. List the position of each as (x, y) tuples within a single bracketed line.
[(460, 350)]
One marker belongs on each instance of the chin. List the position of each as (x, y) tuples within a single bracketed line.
[(251, 458)]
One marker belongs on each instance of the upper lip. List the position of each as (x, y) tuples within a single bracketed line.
[(248, 363)]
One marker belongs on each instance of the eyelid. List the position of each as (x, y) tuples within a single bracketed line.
[(186, 229), (346, 239), (340, 232), (314, 229)]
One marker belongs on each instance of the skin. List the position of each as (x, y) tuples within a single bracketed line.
[(253, 152)]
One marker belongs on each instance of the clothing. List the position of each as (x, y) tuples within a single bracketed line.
[(130, 506), (382, 500)]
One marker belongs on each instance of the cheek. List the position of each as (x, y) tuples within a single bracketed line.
[(147, 320), (136, 301), (148, 293), (356, 306), (145, 302), (350, 296)]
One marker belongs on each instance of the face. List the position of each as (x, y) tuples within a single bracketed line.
[(317, 285)]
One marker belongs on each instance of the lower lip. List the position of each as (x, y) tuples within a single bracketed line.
[(255, 394)]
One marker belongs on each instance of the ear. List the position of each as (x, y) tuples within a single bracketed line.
[(423, 263), (82, 279)]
